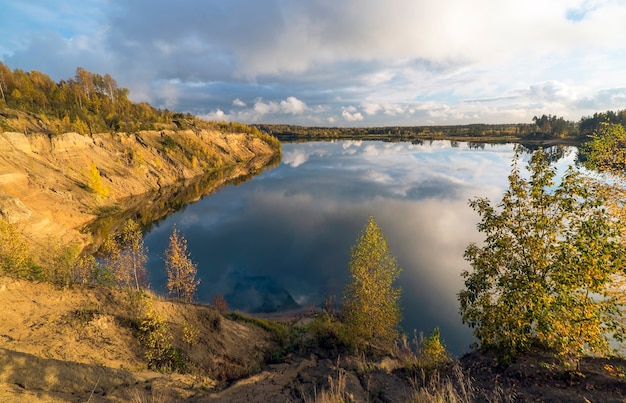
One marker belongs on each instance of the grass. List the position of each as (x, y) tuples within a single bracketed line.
[(453, 388), (335, 392), (279, 331), (424, 353)]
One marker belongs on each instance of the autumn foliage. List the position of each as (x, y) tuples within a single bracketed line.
[(545, 270), (181, 271), (125, 257), (14, 251), (371, 302)]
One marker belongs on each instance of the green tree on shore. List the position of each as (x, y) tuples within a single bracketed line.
[(371, 302), (125, 257), (14, 251), (544, 273)]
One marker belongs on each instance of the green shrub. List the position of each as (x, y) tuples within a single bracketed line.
[(156, 338), (14, 251), (326, 331), (543, 274), (424, 354)]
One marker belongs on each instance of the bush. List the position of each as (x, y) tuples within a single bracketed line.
[(424, 353), (220, 304), (548, 261), (156, 338), (14, 251), (328, 332), (95, 182)]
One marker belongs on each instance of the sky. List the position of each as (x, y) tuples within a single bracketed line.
[(336, 62)]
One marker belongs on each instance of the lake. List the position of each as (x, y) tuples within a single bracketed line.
[(282, 240)]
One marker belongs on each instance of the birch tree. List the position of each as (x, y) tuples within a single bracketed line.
[(181, 271), (544, 271), (371, 302), (126, 256)]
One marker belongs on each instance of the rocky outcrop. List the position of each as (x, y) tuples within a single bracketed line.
[(47, 183)]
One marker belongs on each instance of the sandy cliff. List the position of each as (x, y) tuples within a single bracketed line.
[(46, 183)]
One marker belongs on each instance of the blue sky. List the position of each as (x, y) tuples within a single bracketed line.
[(336, 62)]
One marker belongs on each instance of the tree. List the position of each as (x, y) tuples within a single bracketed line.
[(606, 152), (181, 271), (125, 257), (544, 273), (371, 303), (606, 155), (5, 76), (95, 182), (14, 251)]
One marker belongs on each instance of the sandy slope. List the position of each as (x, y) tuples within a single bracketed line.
[(44, 181), (67, 344), (81, 344)]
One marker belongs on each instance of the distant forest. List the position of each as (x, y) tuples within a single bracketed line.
[(91, 103), (546, 127)]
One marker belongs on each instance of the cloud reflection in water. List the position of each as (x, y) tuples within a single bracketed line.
[(286, 235)]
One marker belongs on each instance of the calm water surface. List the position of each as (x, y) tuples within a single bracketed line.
[(283, 239)]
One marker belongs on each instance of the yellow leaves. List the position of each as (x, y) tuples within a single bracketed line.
[(125, 257), (371, 303), (606, 152), (547, 259), (614, 372), (14, 251), (95, 182), (181, 271)]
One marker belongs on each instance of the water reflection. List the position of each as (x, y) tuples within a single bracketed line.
[(283, 239)]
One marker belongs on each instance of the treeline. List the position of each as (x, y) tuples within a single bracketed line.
[(589, 124), (90, 103), (545, 127), (397, 133)]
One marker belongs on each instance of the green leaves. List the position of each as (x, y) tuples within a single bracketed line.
[(125, 257), (371, 303), (607, 150), (547, 259)]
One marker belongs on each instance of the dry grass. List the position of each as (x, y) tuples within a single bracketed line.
[(453, 388), (336, 391), (142, 396)]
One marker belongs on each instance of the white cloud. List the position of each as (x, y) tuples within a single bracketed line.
[(350, 114), (399, 61), (169, 94), (296, 158), (379, 177), (482, 31), (293, 106), (216, 114), (371, 108)]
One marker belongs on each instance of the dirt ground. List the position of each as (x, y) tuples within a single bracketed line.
[(539, 377), (81, 344)]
